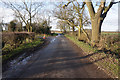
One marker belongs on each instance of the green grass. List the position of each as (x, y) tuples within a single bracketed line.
[(107, 64), (104, 33), (84, 46), (21, 48)]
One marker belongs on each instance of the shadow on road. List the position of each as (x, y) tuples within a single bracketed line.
[(62, 59), (61, 63)]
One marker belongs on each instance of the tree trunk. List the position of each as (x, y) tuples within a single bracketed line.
[(64, 29), (80, 27), (96, 31), (79, 33), (30, 23), (30, 28), (73, 30), (21, 27)]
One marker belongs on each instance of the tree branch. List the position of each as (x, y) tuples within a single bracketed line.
[(90, 8), (100, 9), (106, 9)]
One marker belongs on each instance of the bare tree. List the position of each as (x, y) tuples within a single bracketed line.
[(82, 18), (63, 25), (98, 17), (65, 14), (25, 11)]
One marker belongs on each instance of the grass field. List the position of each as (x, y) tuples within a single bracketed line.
[(111, 33)]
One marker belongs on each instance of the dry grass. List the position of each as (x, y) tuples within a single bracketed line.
[(103, 59)]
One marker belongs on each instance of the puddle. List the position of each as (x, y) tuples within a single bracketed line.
[(53, 40), (16, 64), (19, 61)]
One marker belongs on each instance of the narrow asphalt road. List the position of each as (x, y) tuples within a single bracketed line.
[(59, 59)]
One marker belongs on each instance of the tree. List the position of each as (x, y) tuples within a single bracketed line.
[(25, 11), (19, 26), (81, 17), (12, 25), (42, 27), (62, 25), (65, 14), (98, 17)]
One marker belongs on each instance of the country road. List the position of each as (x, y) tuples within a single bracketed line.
[(59, 59)]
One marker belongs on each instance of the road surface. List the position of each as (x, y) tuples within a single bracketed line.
[(59, 59)]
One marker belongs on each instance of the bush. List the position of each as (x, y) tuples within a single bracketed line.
[(14, 39), (22, 48), (110, 43)]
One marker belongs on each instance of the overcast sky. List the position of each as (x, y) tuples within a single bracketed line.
[(110, 23)]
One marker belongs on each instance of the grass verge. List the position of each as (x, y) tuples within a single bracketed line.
[(102, 60), (21, 48)]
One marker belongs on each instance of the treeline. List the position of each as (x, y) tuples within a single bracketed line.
[(39, 28), (76, 15), (17, 34), (28, 17), (21, 32)]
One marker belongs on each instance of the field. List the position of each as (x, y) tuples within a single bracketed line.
[(111, 33)]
